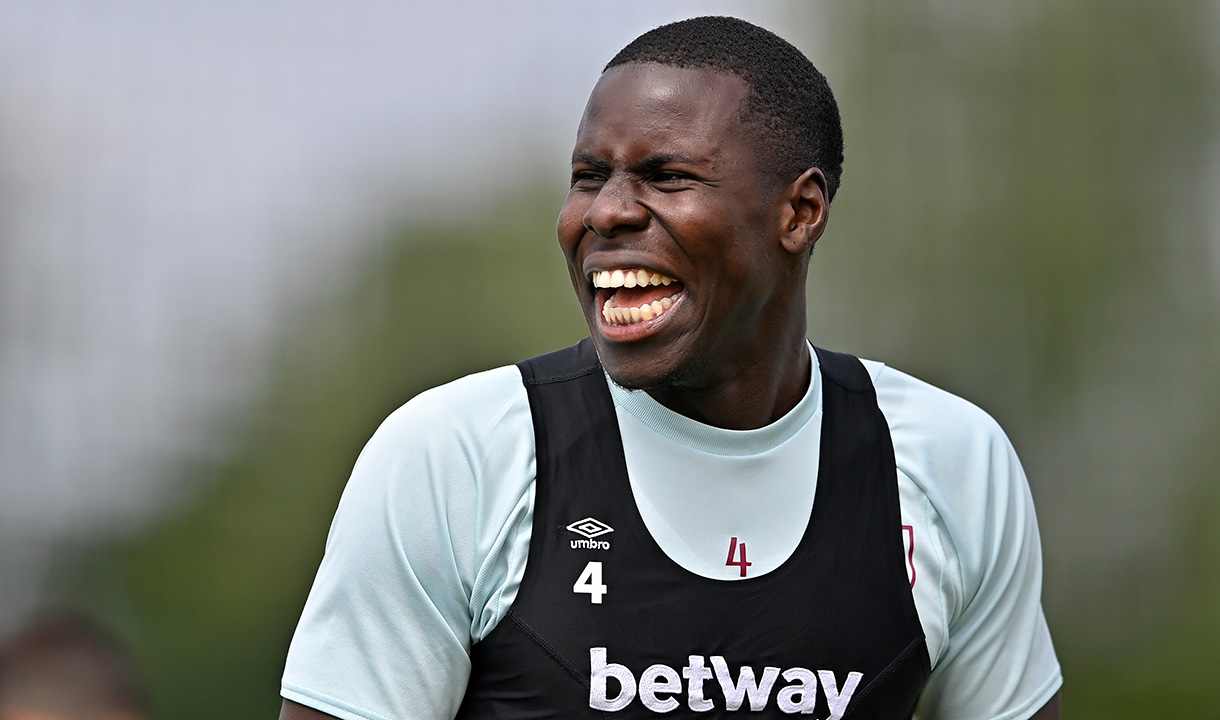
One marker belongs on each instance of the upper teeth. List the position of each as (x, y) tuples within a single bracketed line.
[(632, 277)]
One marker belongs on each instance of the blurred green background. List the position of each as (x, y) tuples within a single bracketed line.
[(1028, 218)]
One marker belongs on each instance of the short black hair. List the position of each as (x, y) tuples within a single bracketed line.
[(790, 104)]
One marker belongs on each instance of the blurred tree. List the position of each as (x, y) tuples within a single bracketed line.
[(209, 596), (1023, 221)]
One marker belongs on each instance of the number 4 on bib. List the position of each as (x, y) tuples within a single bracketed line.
[(590, 582), (740, 562)]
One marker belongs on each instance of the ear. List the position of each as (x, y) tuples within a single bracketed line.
[(806, 210)]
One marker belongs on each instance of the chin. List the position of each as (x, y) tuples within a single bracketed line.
[(630, 381), (637, 369)]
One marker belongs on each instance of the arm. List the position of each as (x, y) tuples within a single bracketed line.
[(1000, 658), (997, 658), (418, 562), (294, 711), (1049, 711)]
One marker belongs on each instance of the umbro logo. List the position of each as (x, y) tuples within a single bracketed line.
[(590, 528)]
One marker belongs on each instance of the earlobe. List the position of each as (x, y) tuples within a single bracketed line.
[(807, 210)]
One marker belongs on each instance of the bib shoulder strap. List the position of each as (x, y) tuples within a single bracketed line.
[(845, 370), (562, 365)]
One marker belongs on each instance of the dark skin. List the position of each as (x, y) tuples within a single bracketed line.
[(296, 711), (665, 178)]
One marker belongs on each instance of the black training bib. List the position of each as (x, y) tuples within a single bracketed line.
[(605, 625)]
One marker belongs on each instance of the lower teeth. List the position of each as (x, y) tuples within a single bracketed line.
[(628, 316)]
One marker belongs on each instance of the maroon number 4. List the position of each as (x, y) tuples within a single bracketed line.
[(736, 558)]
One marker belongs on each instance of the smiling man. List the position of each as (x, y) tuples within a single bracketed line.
[(694, 512)]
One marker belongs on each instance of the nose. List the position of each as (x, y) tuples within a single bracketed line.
[(616, 208)]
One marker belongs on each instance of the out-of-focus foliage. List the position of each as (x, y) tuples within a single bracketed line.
[(1021, 222), (1024, 221), (210, 595)]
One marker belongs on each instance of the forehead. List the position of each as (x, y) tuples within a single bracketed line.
[(690, 110)]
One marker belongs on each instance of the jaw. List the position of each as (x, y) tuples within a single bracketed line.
[(644, 363), (635, 315)]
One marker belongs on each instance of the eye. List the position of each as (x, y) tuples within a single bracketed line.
[(586, 179), (671, 179)]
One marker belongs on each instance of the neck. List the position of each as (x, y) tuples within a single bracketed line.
[(748, 395)]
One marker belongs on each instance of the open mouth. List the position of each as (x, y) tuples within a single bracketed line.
[(635, 295)]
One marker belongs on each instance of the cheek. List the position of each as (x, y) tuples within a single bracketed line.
[(570, 226)]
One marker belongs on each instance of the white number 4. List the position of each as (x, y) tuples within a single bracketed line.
[(590, 581)]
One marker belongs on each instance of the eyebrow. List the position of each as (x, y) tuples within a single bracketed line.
[(586, 159), (650, 164)]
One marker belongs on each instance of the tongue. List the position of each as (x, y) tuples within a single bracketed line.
[(637, 296)]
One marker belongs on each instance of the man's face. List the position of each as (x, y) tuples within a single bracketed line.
[(670, 231)]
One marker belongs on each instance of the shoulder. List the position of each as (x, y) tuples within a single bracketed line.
[(931, 419), (459, 422), (962, 462), (422, 553), (955, 451), (449, 456), (996, 655), (442, 488), (473, 403)]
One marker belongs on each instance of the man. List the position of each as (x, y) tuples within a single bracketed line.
[(537, 541)]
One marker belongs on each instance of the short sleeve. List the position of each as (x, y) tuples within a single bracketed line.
[(999, 662), (423, 555)]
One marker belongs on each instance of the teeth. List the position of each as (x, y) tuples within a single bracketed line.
[(631, 277), (615, 315)]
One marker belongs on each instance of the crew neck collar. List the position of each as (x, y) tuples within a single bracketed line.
[(721, 441)]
